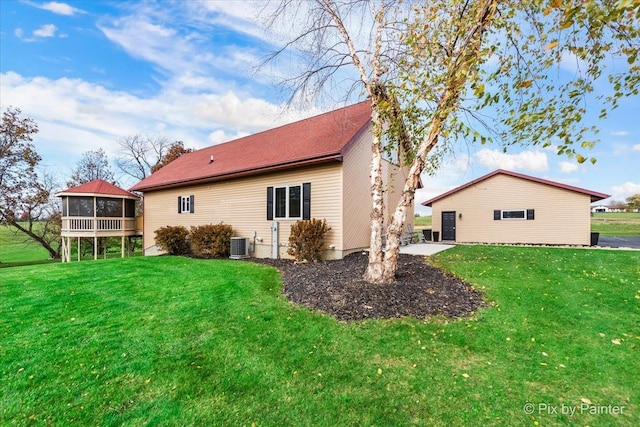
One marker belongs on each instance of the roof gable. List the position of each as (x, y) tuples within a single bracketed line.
[(97, 187), (595, 196), (317, 139)]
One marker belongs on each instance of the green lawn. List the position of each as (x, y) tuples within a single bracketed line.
[(178, 341), (421, 222), (616, 223), (16, 248)]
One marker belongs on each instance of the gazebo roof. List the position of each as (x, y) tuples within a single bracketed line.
[(98, 187)]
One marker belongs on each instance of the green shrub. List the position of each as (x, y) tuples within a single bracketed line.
[(211, 241), (306, 240), (173, 239)]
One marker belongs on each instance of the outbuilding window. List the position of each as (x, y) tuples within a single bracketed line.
[(521, 214)]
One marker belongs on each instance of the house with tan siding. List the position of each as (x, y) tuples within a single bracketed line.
[(505, 207), (263, 183)]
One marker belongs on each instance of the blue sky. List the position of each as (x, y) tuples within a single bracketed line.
[(90, 72)]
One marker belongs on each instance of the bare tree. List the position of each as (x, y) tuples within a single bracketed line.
[(139, 154), (93, 165), (437, 72)]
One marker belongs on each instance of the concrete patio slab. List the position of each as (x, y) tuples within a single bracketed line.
[(424, 249)]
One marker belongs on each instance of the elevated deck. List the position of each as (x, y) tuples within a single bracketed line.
[(75, 226)]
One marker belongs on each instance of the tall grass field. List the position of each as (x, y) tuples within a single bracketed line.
[(183, 342)]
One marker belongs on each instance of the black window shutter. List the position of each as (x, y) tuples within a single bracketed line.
[(179, 204), (191, 207), (497, 214), (306, 200), (531, 214), (269, 203)]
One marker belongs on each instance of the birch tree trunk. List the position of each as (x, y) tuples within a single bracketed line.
[(375, 268), (461, 69)]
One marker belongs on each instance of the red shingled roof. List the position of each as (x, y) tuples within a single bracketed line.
[(595, 196), (98, 187), (318, 139)]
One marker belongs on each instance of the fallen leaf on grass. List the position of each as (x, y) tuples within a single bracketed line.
[(585, 400), (616, 341)]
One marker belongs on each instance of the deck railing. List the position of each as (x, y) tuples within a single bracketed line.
[(90, 224)]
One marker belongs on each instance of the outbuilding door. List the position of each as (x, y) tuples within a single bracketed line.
[(449, 225)]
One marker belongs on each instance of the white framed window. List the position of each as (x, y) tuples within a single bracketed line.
[(389, 151), (186, 204), (288, 202), (514, 214)]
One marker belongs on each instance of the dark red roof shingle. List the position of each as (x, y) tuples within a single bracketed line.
[(97, 187), (595, 196), (317, 139)]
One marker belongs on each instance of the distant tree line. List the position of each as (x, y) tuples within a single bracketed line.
[(632, 204)]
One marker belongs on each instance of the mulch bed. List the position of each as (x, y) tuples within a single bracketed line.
[(337, 288)]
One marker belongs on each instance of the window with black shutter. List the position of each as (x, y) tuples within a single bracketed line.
[(514, 214), (186, 204), (289, 202)]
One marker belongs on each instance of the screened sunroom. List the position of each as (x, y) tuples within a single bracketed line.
[(98, 210)]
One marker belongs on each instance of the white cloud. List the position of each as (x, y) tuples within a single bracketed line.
[(47, 30), (568, 167), (219, 136), (527, 160), (636, 147), (18, 32), (75, 116), (58, 8), (619, 133), (621, 192)]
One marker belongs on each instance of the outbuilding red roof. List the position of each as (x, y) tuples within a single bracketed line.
[(97, 187), (595, 196), (319, 139)]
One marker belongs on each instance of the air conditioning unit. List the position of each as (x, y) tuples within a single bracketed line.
[(239, 247)]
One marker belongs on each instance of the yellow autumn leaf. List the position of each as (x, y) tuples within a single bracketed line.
[(551, 45), (526, 83), (580, 158), (566, 24)]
